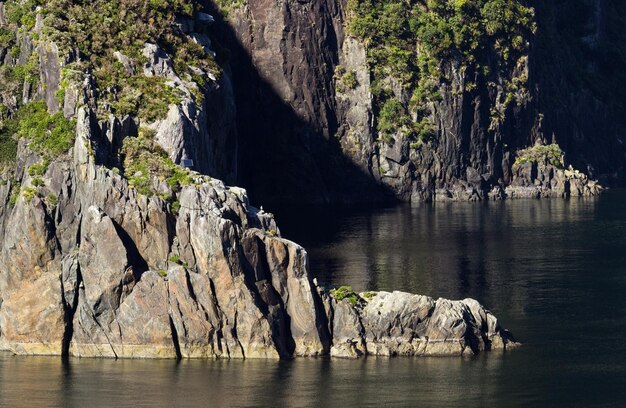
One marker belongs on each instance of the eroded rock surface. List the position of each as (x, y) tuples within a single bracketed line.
[(402, 324), (107, 272)]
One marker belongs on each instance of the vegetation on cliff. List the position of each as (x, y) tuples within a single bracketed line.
[(414, 42), (550, 154), (146, 164), (102, 43)]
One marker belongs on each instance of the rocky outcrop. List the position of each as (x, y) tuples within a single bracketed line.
[(103, 271), (402, 324), (537, 180), (164, 262), (108, 272)]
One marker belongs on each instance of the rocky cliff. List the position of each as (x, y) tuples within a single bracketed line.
[(109, 247), (425, 101), (105, 271)]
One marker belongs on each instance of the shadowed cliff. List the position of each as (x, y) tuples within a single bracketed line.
[(305, 138), (286, 114)]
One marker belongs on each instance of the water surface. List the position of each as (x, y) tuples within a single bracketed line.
[(553, 271)]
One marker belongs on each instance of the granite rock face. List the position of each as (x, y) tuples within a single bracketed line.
[(92, 267), (106, 272), (402, 324)]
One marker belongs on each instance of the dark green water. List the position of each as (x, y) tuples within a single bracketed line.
[(553, 271)]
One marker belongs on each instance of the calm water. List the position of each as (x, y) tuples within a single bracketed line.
[(553, 271)]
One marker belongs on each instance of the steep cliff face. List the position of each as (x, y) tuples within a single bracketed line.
[(308, 96), (108, 272)]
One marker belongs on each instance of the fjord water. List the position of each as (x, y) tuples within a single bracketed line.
[(553, 271)]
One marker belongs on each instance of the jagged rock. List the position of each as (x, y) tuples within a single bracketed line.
[(288, 53), (95, 278), (537, 180), (392, 324), (348, 332), (91, 267)]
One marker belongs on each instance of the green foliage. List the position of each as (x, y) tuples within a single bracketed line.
[(29, 72), (52, 200), (228, 6), (176, 259), (163, 273), (37, 182), (49, 135), (8, 143), (7, 37), (369, 295), (346, 80), (410, 40), (100, 28), (149, 98), (15, 193), (175, 207), (22, 13), (392, 115), (29, 193), (346, 292), (145, 161), (548, 154), (38, 169)]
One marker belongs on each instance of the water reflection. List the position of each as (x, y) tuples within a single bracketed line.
[(554, 271), (42, 382), (501, 253)]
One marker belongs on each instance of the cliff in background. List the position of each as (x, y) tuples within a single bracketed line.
[(328, 113)]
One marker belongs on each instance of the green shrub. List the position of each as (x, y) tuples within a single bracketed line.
[(369, 295), (8, 144), (15, 194), (49, 135), (175, 207), (29, 193), (548, 154), (148, 98), (345, 80), (411, 40), (7, 37), (38, 169), (145, 161), (52, 200), (346, 292), (176, 259), (228, 6), (99, 28)]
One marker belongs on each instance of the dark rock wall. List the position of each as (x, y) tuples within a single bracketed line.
[(302, 139)]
